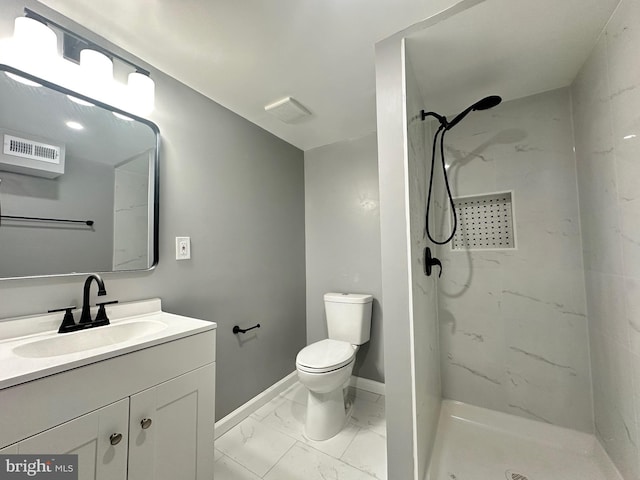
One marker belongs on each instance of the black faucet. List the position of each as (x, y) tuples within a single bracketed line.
[(68, 323), (85, 316)]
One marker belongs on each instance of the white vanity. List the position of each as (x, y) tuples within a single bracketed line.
[(134, 399)]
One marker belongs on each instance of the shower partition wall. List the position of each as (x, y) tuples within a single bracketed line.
[(411, 348)]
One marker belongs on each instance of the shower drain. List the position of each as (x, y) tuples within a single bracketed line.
[(511, 475)]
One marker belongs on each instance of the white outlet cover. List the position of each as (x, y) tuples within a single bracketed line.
[(183, 248)]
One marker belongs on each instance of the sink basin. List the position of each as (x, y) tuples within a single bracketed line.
[(64, 344), (31, 348)]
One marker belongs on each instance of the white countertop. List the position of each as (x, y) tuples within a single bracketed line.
[(16, 332)]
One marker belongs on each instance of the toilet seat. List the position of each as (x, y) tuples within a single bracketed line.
[(325, 356)]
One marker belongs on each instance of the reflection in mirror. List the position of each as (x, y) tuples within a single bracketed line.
[(78, 184)]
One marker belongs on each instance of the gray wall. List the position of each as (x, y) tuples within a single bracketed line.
[(238, 192), (513, 329), (342, 222), (606, 101), (83, 192)]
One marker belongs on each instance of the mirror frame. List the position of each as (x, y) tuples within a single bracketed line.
[(156, 166)]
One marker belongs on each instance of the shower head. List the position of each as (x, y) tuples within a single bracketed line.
[(487, 103), (484, 104)]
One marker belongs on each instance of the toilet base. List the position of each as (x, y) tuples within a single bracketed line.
[(326, 414)]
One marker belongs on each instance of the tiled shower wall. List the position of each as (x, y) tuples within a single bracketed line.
[(513, 327), (606, 99)]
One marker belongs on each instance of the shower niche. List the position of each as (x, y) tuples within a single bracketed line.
[(485, 222)]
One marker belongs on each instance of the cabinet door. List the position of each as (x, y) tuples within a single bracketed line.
[(171, 429), (89, 437)]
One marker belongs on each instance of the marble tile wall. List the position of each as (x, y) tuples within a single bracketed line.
[(606, 108), (423, 289), (513, 326), (131, 215)]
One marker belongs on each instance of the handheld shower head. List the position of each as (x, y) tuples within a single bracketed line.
[(484, 104), (487, 103)]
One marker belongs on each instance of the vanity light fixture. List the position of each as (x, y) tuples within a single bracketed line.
[(84, 67)]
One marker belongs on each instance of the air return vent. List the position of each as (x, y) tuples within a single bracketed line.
[(21, 147), (30, 155), (485, 222)]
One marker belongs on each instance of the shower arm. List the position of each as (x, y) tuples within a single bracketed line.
[(441, 118)]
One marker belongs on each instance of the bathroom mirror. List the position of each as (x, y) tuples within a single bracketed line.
[(78, 183)]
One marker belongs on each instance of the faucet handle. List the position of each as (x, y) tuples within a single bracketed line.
[(101, 316), (68, 321), (63, 309)]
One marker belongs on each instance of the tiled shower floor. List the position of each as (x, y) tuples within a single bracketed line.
[(478, 444), (271, 445)]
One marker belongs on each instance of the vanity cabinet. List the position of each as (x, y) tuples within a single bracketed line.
[(152, 435), (144, 415)]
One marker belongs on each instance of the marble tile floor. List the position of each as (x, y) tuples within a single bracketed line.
[(271, 445)]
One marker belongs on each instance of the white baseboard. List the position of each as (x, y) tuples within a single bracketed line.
[(368, 385), (243, 411), (226, 423)]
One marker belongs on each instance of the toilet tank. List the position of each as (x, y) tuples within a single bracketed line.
[(348, 316)]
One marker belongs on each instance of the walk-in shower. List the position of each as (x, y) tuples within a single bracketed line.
[(539, 336)]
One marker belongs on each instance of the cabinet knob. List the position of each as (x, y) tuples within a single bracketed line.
[(145, 423), (115, 438)]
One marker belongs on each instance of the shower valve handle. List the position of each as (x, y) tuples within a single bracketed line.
[(429, 262)]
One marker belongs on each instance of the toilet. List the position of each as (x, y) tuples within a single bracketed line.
[(325, 367)]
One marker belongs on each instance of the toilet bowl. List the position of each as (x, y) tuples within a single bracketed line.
[(325, 368)]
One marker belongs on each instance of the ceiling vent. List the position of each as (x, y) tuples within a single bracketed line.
[(288, 110), (30, 155)]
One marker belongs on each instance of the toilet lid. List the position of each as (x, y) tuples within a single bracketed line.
[(325, 355)]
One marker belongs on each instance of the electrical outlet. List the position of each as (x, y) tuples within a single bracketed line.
[(183, 248)]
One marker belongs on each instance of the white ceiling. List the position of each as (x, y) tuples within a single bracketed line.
[(246, 54), (511, 48)]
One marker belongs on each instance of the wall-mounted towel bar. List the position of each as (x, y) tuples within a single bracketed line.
[(41, 219), (237, 329)]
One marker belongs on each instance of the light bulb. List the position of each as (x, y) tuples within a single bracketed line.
[(34, 47), (141, 93), (97, 75)]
